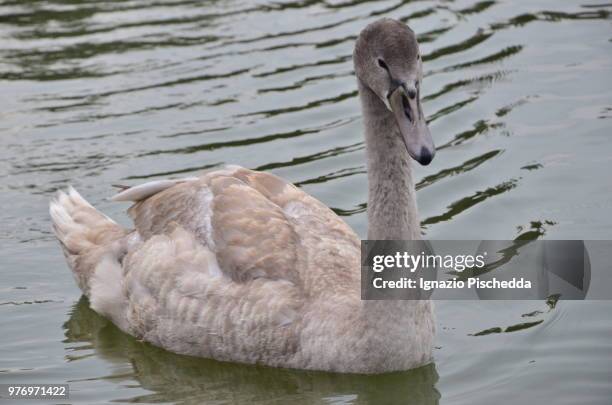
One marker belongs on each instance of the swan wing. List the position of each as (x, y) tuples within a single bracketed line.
[(256, 224)]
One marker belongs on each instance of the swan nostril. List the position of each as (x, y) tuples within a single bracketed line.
[(382, 64), (407, 110)]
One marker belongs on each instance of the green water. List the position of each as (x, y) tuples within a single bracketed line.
[(519, 98)]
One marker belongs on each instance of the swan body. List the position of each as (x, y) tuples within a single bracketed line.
[(239, 265)]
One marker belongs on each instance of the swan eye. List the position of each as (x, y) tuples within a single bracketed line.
[(382, 64)]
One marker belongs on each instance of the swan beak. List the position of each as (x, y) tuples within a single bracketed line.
[(408, 113)]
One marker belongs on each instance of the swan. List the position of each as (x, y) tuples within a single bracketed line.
[(242, 266)]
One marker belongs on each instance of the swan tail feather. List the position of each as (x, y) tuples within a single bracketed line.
[(88, 238)]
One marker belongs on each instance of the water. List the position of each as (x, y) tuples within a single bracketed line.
[(519, 98)]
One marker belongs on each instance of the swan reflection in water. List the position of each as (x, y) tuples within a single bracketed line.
[(186, 380)]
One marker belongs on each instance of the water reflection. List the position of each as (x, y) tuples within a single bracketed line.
[(188, 380), (467, 202)]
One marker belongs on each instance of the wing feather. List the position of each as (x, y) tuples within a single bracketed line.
[(258, 226)]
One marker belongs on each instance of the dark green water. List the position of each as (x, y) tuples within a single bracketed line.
[(519, 98)]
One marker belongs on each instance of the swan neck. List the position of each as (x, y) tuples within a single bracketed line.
[(392, 208)]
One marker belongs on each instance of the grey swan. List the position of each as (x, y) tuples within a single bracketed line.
[(242, 266)]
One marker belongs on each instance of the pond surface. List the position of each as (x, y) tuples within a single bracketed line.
[(519, 98)]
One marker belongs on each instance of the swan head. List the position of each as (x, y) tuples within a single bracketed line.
[(388, 62)]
